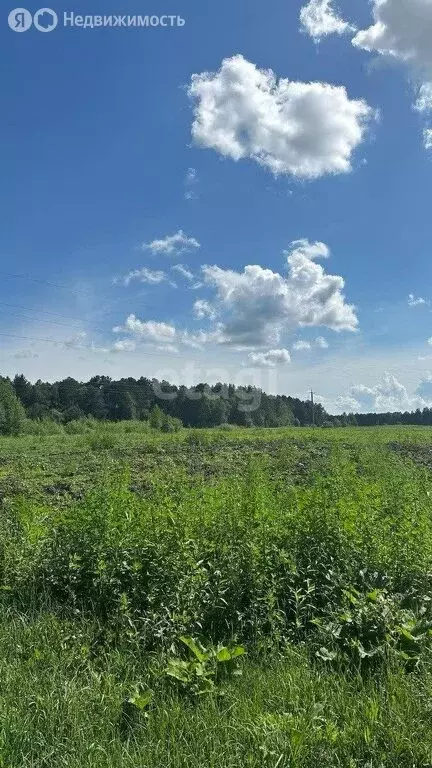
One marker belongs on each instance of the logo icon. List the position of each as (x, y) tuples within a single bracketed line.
[(20, 20), (45, 20)]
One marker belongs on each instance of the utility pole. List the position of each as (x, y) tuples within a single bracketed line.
[(312, 409)]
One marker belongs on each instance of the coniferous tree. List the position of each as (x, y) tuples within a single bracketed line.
[(12, 413)]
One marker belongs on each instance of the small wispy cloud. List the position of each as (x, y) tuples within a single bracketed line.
[(427, 138), (269, 359), (25, 354), (301, 346), (183, 270), (414, 301), (172, 245), (143, 275), (190, 184), (124, 345), (79, 341), (82, 342), (306, 346), (321, 342)]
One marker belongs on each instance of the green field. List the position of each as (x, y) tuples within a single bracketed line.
[(216, 598)]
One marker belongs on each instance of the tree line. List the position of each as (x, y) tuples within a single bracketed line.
[(166, 406), (105, 399)]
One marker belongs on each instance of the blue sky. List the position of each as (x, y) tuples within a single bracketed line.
[(108, 153)]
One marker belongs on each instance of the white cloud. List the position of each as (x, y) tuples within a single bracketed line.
[(427, 138), (301, 346), (424, 98), (415, 302), (172, 244), (124, 345), (191, 176), (388, 395), (203, 308), (150, 331), (269, 359), (259, 304), (347, 404), (144, 275), (160, 333), (424, 389), (306, 130), (318, 18), (168, 348), (402, 29), (191, 181), (321, 342), (183, 270), (81, 342), (336, 405), (310, 250), (200, 338)]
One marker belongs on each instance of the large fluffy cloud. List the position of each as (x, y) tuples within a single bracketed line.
[(305, 130), (254, 308), (388, 395), (402, 29), (257, 305), (319, 18)]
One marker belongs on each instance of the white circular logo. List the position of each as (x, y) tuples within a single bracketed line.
[(20, 20), (45, 20)]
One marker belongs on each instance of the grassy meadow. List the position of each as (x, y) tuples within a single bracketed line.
[(216, 598)]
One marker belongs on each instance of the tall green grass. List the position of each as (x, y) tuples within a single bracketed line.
[(61, 705), (323, 576), (245, 557)]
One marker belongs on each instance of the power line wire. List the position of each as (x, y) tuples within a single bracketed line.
[(66, 317), (163, 355), (54, 322), (51, 314), (40, 311), (58, 286), (17, 276)]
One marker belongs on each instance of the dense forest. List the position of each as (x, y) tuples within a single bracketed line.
[(167, 406), (200, 406)]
